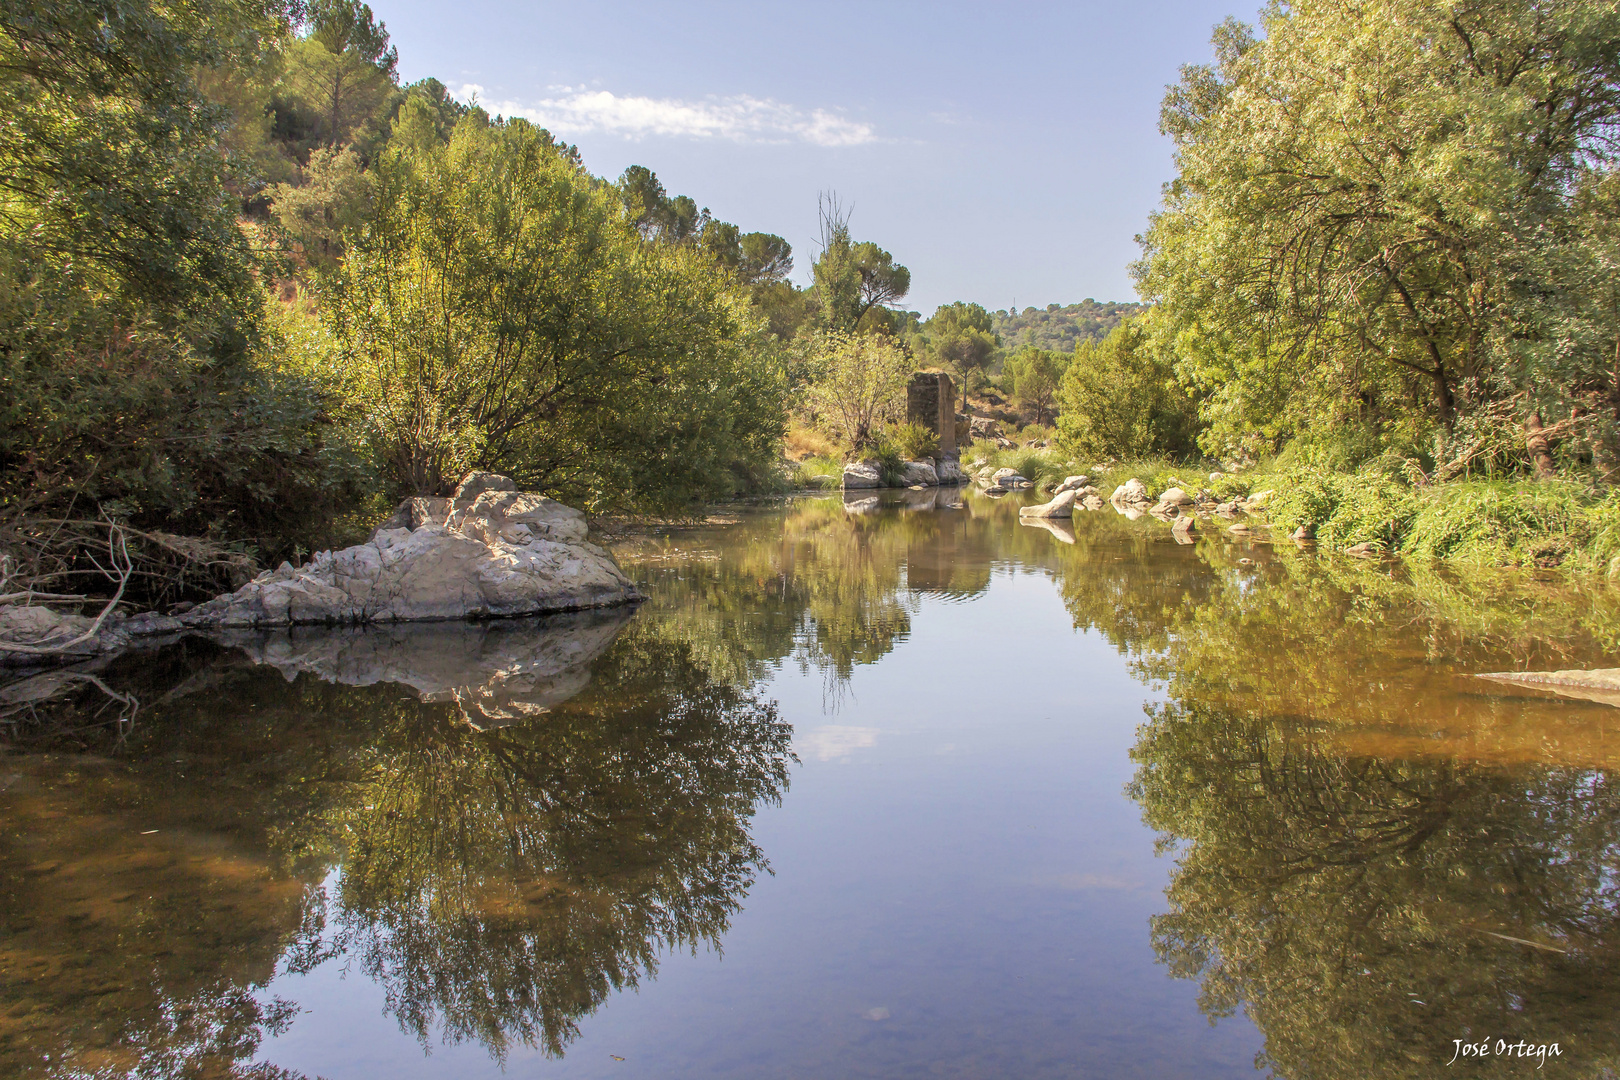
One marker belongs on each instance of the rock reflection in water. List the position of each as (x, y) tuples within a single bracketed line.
[(498, 884), (494, 672)]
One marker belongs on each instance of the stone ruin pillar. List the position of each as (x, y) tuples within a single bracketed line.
[(931, 402)]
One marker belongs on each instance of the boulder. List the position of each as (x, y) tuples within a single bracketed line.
[(1005, 477), (863, 474), (949, 472), (1061, 506), (921, 473), (1174, 499), (1259, 499), (1072, 483), (1305, 532), (45, 628), (1131, 491), (499, 553), (1363, 550), (1183, 529)]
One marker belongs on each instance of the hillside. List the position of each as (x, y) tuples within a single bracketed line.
[(1059, 327)]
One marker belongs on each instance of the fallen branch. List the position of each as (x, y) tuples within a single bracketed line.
[(119, 569)]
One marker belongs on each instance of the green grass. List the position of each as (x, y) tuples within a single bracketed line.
[(818, 472)]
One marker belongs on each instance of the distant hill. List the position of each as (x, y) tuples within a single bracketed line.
[(1059, 327)]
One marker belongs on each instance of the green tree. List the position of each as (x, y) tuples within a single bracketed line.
[(343, 70), (1036, 377), (503, 314), (958, 336), (858, 383), (852, 278), (137, 378), (1347, 236), (334, 198), (1119, 398)]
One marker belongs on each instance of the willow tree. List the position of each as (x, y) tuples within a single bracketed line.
[(1349, 231), (500, 311)]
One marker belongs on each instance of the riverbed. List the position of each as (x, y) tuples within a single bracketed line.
[(880, 786)]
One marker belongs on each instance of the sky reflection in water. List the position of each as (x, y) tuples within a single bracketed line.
[(860, 792)]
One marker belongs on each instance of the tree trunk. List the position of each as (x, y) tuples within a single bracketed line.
[(1536, 442)]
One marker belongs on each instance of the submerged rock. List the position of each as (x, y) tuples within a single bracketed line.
[(1598, 684), (489, 551)]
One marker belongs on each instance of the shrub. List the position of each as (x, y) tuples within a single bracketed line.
[(1344, 509), (1523, 524), (913, 441)]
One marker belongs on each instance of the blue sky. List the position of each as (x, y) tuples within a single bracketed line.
[(1002, 151)]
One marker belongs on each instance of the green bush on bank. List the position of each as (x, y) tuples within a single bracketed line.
[(1511, 522)]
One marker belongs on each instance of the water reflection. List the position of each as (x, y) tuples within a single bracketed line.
[(498, 883), (503, 825), (1365, 912)]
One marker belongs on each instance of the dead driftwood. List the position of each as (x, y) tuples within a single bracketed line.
[(118, 569), (77, 563)]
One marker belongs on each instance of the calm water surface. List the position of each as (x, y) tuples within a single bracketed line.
[(892, 788)]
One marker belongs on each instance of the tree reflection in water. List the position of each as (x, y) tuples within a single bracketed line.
[(498, 883), (1365, 912), (1377, 854)]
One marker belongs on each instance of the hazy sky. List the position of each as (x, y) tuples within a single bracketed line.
[(1002, 151)]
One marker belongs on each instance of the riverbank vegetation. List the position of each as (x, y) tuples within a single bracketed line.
[(254, 290), (1382, 284)]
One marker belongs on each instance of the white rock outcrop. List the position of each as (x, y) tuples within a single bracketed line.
[(489, 551)]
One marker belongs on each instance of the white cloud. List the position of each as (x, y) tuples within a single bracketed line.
[(834, 741), (578, 111)]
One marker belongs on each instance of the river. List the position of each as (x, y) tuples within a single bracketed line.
[(892, 786)]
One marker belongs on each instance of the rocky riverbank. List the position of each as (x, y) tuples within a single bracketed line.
[(489, 551)]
